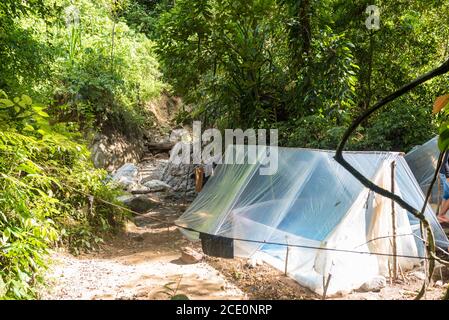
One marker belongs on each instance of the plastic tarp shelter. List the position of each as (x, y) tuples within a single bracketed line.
[(423, 160), (313, 202)]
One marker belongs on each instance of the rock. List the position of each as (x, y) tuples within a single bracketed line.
[(137, 188), (126, 174), (190, 256), (163, 156), (419, 275), (125, 198), (254, 262), (156, 185), (250, 264), (139, 204), (375, 284), (112, 151), (137, 237), (439, 283), (178, 135), (99, 156), (146, 179)]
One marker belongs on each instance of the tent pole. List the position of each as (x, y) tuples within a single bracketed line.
[(326, 285), (393, 215), (439, 195), (389, 272), (286, 256)]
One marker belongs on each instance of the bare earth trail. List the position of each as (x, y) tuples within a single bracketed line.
[(144, 263), (141, 263)]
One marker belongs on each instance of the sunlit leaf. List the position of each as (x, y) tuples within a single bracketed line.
[(28, 168), (28, 128), (440, 103), (26, 99), (40, 112), (6, 102)]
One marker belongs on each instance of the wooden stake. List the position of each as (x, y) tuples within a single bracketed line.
[(286, 257), (199, 174), (393, 216), (326, 285), (389, 272)]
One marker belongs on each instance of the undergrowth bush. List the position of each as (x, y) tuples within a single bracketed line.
[(81, 55), (106, 71), (46, 177)]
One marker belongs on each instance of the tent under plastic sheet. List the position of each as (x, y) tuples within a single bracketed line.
[(314, 203), (422, 161)]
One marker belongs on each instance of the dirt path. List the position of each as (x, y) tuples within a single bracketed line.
[(142, 263)]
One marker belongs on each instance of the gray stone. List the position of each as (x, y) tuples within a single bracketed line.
[(190, 256), (148, 178), (137, 188), (112, 151), (177, 135), (156, 185), (418, 275), (140, 204), (126, 174), (375, 284), (125, 198), (253, 262)]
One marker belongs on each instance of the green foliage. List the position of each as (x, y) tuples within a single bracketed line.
[(171, 290), (45, 177), (440, 107), (83, 58), (90, 71), (220, 56), (400, 128), (106, 81), (143, 15), (307, 67), (24, 59)]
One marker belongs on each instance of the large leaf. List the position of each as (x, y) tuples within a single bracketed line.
[(6, 102), (440, 103), (40, 112), (26, 99)]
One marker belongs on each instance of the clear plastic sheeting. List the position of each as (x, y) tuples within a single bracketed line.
[(313, 202), (423, 160)]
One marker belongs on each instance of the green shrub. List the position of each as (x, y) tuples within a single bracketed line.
[(45, 179), (102, 71)]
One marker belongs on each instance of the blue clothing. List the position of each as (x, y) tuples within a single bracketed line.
[(445, 186), (445, 165)]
